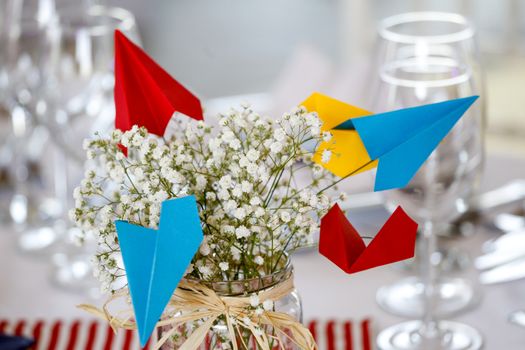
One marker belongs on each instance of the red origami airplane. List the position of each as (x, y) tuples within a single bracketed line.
[(342, 244), (145, 94)]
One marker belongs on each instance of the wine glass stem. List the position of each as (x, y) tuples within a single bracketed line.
[(429, 327), (19, 202), (61, 173)]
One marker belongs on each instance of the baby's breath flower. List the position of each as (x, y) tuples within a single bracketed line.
[(254, 300), (204, 249), (205, 271), (255, 201), (223, 194), (279, 134), (240, 213), (242, 174), (224, 266), (276, 147), (246, 320), (268, 305), (235, 253), (258, 260), (242, 232), (246, 186), (259, 212), (253, 155), (237, 191), (225, 182), (285, 216), (201, 182), (325, 157), (235, 144)]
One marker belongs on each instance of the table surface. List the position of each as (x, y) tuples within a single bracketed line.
[(327, 293)]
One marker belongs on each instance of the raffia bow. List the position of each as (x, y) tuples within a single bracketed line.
[(194, 301)]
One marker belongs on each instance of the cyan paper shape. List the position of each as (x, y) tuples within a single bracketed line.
[(156, 260), (403, 139)]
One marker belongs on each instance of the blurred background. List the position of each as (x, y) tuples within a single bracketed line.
[(214, 46), (56, 88)]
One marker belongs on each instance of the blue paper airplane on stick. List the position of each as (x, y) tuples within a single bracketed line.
[(402, 140), (156, 260)]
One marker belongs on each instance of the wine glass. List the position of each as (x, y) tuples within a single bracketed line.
[(425, 70), (29, 51), (415, 47), (82, 93), (5, 135)]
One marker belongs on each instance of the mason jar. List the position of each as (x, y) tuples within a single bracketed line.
[(218, 337)]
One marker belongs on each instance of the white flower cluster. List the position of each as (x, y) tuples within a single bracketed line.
[(124, 188), (248, 177)]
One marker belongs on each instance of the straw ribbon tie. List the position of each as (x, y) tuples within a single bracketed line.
[(193, 301)]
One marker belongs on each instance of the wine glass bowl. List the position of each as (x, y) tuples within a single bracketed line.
[(458, 157), (83, 73), (429, 34)]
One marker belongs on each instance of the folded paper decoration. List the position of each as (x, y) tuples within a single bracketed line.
[(341, 243), (156, 260), (397, 142), (145, 94)]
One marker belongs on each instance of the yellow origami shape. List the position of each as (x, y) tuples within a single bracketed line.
[(349, 155)]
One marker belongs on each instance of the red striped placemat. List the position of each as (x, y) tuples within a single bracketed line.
[(97, 335)]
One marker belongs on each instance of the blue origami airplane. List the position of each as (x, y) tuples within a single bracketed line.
[(156, 260), (397, 142)]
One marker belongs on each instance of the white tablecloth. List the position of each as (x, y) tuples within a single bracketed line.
[(25, 290)]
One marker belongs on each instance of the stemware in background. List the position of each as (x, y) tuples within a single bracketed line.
[(434, 56), (424, 67), (29, 51), (82, 93), (5, 135)]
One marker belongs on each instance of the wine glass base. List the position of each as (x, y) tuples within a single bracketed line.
[(405, 298), (37, 240), (74, 273), (452, 336)]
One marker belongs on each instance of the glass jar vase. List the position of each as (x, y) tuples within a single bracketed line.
[(218, 336)]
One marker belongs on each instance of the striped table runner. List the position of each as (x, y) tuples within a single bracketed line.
[(97, 335)]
